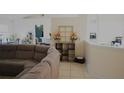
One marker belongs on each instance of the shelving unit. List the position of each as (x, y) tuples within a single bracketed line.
[(67, 51), (65, 45)]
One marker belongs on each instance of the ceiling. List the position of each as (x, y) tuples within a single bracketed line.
[(12, 16), (28, 16)]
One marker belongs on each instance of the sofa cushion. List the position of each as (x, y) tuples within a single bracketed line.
[(0, 51), (40, 71), (7, 51), (24, 54), (25, 51), (39, 56), (27, 63), (23, 72), (40, 52), (9, 47), (41, 48), (11, 69), (26, 47)]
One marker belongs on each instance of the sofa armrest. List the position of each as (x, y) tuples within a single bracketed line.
[(53, 59), (40, 71)]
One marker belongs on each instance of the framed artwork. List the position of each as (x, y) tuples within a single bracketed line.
[(39, 32), (92, 35)]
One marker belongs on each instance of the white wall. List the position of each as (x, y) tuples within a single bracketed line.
[(23, 26), (110, 26), (7, 23), (6, 29), (92, 25), (107, 27)]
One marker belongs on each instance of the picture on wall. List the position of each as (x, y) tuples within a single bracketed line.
[(39, 33), (92, 35)]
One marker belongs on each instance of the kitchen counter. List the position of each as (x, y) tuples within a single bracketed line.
[(104, 61)]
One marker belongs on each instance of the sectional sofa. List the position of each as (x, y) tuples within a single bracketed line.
[(29, 61)]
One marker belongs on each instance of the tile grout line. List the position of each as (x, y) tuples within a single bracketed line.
[(70, 70)]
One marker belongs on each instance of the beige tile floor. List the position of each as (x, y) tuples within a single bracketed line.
[(68, 70), (72, 70)]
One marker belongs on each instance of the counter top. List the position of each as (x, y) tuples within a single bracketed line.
[(105, 45)]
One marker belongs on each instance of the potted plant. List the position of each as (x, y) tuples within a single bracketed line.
[(73, 36), (57, 36)]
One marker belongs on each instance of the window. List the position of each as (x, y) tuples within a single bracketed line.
[(65, 32), (4, 33)]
